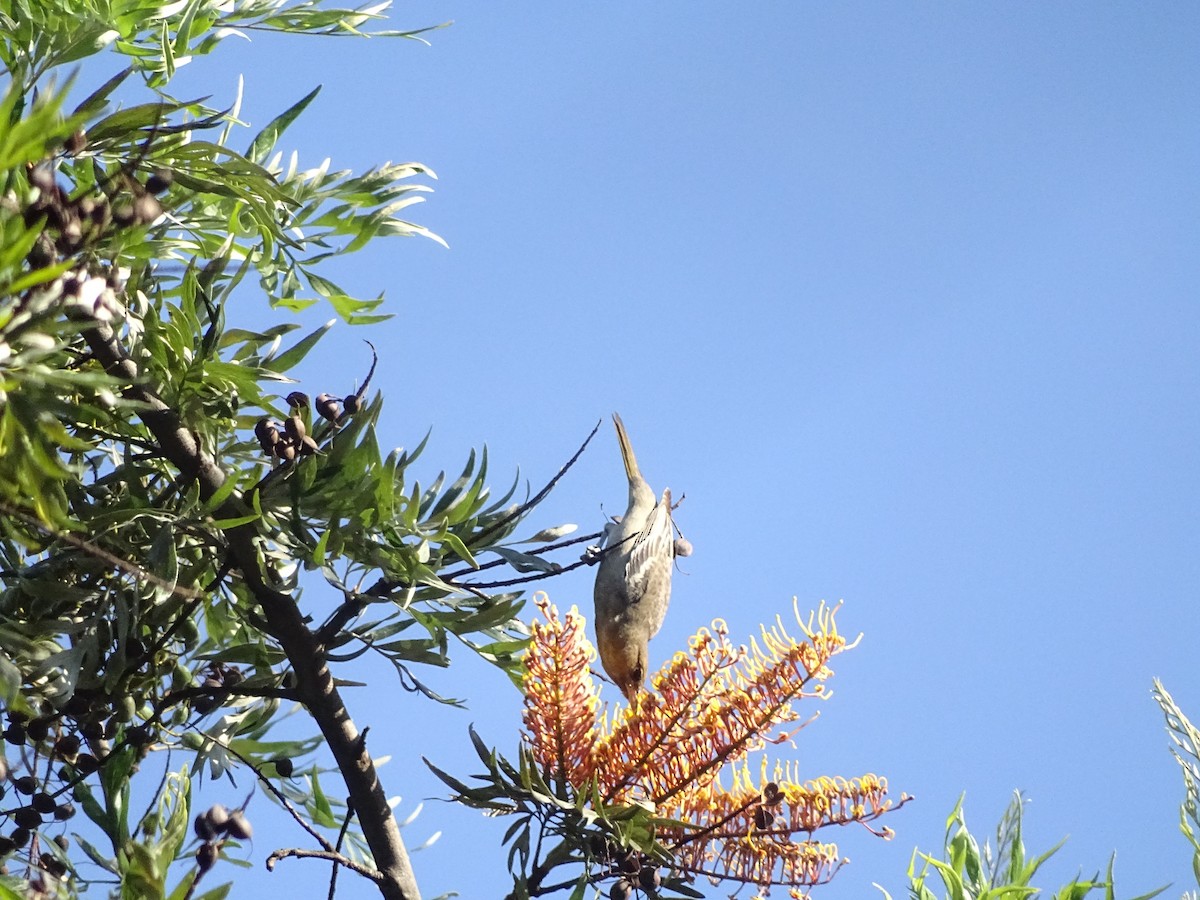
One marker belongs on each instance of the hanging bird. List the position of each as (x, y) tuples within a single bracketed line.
[(633, 584)]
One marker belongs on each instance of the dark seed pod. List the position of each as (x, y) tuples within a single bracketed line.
[(327, 407), (146, 209), (307, 446), (621, 890), (138, 735), (203, 828), (284, 767), (68, 745), (27, 817), (43, 802), (218, 817), (20, 837), (7, 846), (64, 811), (297, 400), (62, 842), (238, 826), (206, 856), (86, 763), (631, 864), (267, 432), (77, 142), (15, 734), (294, 426), (159, 181), (352, 404), (233, 676), (285, 451), (650, 878), (122, 214), (26, 784), (38, 730)]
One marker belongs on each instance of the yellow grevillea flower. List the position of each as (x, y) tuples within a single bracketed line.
[(710, 708)]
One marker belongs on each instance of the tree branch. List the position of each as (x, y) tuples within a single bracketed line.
[(314, 682)]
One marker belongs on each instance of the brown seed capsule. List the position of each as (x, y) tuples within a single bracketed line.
[(68, 745), (267, 433), (285, 451), (64, 811), (621, 890), (62, 842), (146, 209), (86, 763), (238, 826), (206, 856), (294, 426), (26, 784), (284, 767), (297, 399), (307, 446), (203, 828), (27, 817), (683, 547), (327, 407), (159, 181), (218, 817), (77, 142), (352, 404), (15, 733), (43, 802), (650, 878), (20, 836)]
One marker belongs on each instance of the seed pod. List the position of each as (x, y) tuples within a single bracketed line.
[(77, 142), (683, 547), (206, 856), (26, 784), (203, 828), (38, 730), (294, 426), (159, 181), (64, 811), (15, 734), (284, 767), (763, 818), (267, 433), (297, 400), (68, 745), (238, 826), (352, 404), (218, 817), (6, 846), (650, 878), (43, 802), (20, 837), (146, 209), (27, 817), (327, 407), (631, 864), (86, 763), (285, 451), (138, 735), (621, 890), (307, 446)]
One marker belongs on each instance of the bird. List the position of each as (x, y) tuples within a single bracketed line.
[(633, 583)]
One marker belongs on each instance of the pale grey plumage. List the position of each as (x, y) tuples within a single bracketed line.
[(633, 584)]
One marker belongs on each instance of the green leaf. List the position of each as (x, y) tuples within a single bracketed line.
[(264, 142), (294, 354)]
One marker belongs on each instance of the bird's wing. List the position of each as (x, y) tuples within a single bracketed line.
[(648, 572)]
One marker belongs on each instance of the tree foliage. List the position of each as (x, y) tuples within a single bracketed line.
[(163, 491)]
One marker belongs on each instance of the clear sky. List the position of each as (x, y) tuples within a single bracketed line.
[(903, 296)]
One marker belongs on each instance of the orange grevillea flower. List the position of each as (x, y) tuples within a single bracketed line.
[(709, 709)]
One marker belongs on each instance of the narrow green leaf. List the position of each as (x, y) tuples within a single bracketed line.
[(264, 142)]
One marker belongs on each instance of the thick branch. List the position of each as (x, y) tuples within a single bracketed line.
[(314, 682)]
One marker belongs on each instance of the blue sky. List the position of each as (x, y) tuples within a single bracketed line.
[(904, 298)]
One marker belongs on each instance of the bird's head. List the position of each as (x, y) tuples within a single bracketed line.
[(625, 662)]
